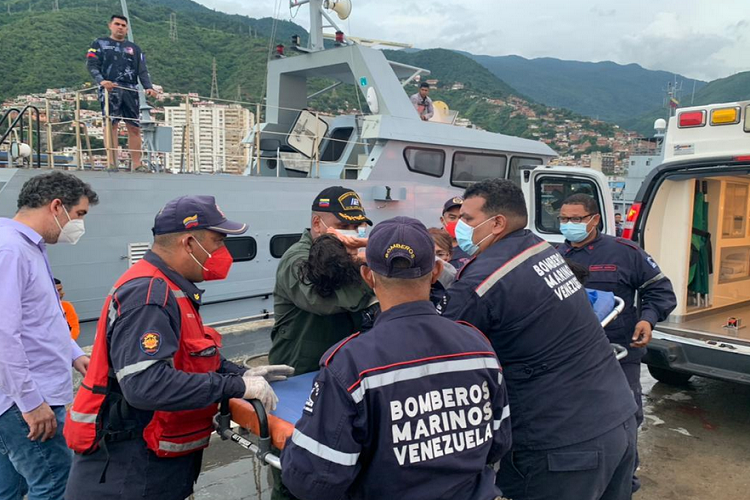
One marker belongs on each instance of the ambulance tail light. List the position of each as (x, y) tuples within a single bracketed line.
[(629, 227), (689, 119), (725, 116), (744, 158)]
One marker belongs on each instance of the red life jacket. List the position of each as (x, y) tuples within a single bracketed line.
[(169, 433)]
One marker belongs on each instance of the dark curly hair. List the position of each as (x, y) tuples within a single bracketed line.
[(40, 190), (329, 266)]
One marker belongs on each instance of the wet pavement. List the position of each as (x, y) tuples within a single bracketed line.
[(694, 443)]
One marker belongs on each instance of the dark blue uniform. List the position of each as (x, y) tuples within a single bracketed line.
[(148, 382), (414, 408), (460, 258), (572, 409), (123, 63), (621, 267)]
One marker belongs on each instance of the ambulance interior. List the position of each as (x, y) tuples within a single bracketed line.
[(697, 230)]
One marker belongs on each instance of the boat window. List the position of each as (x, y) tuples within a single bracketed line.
[(514, 172), (242, 248), (425, 161), (550, 193), (336, 144), (469, 168), (281, 243)]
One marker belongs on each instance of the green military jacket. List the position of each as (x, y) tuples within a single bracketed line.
[(306, 324)]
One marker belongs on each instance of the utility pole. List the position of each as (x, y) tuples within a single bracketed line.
[(214, 81), (239, 92), (56, 6), (173, 26)]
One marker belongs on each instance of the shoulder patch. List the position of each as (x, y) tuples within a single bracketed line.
[(150, 343), (443, 304)]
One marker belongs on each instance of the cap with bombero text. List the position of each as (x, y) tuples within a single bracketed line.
[(344, 203), (400, 238), (190, 213)]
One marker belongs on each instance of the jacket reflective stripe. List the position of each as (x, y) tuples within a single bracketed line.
[(83, 418), (513, 263), (135, 368), (653, 280), (506, 414), (414, 372), (179, 294), (172, 447), (323, 451)]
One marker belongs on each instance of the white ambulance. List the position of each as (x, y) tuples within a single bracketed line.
[(691, 214)]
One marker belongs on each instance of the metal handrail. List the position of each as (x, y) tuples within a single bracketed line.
[(19, 119), (7, 113)]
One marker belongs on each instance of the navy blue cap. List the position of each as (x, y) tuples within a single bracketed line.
[(190, 213), (344, 203), (401, 238), (456, 201)]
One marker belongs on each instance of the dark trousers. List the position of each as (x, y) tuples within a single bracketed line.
[(598, 469), (632, 371)]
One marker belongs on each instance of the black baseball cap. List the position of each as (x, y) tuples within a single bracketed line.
[(344, 203), (190, 213), (401, 238), (456, 201)]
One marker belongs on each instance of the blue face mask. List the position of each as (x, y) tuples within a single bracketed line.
[(465, 237), (575, 232)]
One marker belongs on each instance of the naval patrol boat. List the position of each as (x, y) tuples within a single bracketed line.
[(399, 165)]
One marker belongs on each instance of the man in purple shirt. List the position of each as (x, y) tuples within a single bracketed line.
[(37, 351)]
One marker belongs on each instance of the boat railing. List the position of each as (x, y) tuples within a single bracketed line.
[(76, 138)]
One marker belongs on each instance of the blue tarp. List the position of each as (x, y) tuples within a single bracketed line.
[(292, 394), (602, 302)]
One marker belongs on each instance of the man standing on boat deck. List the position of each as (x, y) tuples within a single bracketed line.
[(414, 408), (574, 430), (623, 268), (144, 412), (422, 102), (37, 351), (116, 65)]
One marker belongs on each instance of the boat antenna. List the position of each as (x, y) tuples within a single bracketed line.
[(318, 8)]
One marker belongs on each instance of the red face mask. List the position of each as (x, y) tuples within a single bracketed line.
[(217, 265), (451, 228)]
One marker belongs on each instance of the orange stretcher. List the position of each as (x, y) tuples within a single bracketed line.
[(268, 433)]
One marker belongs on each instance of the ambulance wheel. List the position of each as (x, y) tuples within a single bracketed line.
[(667, 376)]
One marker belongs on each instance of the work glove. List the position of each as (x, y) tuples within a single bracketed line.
[(257, 388), (272, 373)]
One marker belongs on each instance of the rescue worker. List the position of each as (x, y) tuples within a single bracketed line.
[(574, 431), (449, 219), (69, 311), (623, 268), (306, 323), (415, 407), (422, 102), (144, 411)]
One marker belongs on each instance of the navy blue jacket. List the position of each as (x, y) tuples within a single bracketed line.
[(623, 268), (564, 383), (121, 62), (413, 408)]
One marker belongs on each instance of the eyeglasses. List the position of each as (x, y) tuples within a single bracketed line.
[(574, 220)]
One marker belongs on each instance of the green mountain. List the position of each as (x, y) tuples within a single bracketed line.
[(603, 90), (729, 89), (45, 49)]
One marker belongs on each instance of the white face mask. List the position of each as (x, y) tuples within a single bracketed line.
[(345, 232), (72, 231)]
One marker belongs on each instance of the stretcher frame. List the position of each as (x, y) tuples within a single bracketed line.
[(263, 443)]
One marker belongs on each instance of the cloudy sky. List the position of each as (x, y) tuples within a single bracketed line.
[(704, 39)]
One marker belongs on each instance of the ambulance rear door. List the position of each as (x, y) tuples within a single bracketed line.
[(547, 187)]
